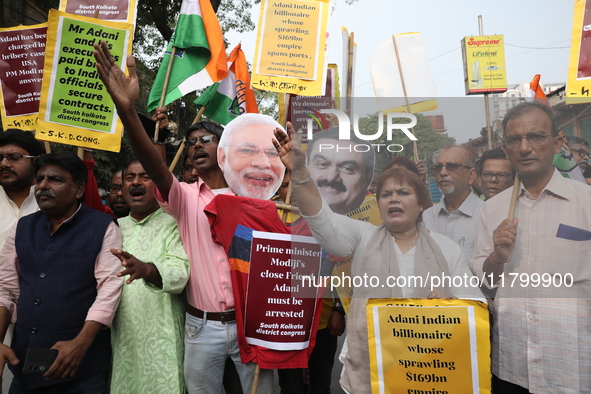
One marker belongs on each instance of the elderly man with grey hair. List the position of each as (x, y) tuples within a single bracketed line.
[(247, 157), (456, 215)]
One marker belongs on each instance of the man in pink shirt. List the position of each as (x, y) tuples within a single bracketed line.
[(210, 330)]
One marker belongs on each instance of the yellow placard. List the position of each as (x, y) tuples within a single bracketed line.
[(429, 346), (578, 83), (108, 10), (484, 64), (75, 107), (290, 48)]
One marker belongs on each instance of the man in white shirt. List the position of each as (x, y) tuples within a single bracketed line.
[(456, 215), (18, 149)]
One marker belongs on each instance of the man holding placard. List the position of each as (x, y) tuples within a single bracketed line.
[(539, 261)]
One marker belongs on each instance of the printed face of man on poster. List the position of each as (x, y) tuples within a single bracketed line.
[(342, 170), (247, 157)]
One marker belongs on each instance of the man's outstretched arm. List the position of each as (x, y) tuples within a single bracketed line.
[(124, 91)]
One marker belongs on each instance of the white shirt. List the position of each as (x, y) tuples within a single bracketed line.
[(459, 225), (10, 212)]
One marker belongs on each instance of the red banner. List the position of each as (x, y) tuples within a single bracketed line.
[(22, 51), (280, 309)]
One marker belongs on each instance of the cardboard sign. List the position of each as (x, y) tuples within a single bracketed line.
[(109, 10), (279, 309), (429, 346), (578, 84), (22, 52), (302, 109), (290, 47), (75, 107)]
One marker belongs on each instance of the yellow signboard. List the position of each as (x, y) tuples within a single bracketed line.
[(484, 64), (75, 107), (290, 47), (429, 346), (578, 84)]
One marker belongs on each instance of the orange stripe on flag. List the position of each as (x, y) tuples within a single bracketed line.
[(217, 67), (239, 265)]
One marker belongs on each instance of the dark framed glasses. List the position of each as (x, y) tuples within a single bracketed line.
[(451, 167), (582, 152), (501, 176), (204, 140)]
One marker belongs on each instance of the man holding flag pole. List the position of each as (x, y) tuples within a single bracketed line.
[(210, 331)]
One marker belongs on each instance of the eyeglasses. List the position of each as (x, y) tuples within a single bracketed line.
[(532, 138), (115, 188), (582, 152), (188, 168), (14, 157), (452, 167), (206, 139), (247, 152), (501, 176)]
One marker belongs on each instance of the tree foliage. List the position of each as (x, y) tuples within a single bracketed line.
[(428, 141)]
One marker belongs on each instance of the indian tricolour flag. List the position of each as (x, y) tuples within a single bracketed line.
[(200, 55), (231, 97)]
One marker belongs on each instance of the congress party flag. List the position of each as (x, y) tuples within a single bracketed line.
[(200, 55), (233, 96), (536, 91), (399, 69)]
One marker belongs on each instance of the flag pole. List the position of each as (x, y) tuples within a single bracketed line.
[(179, 152), (486, 100), (255, 381), (350, 73), (286, 102), (164, 89), (47, 147), (514, 196), (414, 143)]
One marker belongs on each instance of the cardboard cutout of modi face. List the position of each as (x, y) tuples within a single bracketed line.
[(247, 157)]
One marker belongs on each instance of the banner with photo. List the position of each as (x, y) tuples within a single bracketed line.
[(427, 346), (22, 50), (75, 107)]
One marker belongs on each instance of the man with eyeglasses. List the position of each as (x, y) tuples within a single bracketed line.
[(580, 150), (18, 149), (456, 215), (210, 328), (342, 172), (115, 199), (496, 173), (247, 157), (541, 337)]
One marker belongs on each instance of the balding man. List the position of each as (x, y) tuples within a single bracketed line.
[(456, 215)]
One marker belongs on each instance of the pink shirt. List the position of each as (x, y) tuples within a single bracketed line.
[(108, 285), (210, 286)]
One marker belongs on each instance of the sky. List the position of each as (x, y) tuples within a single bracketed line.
[(525, 24)]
